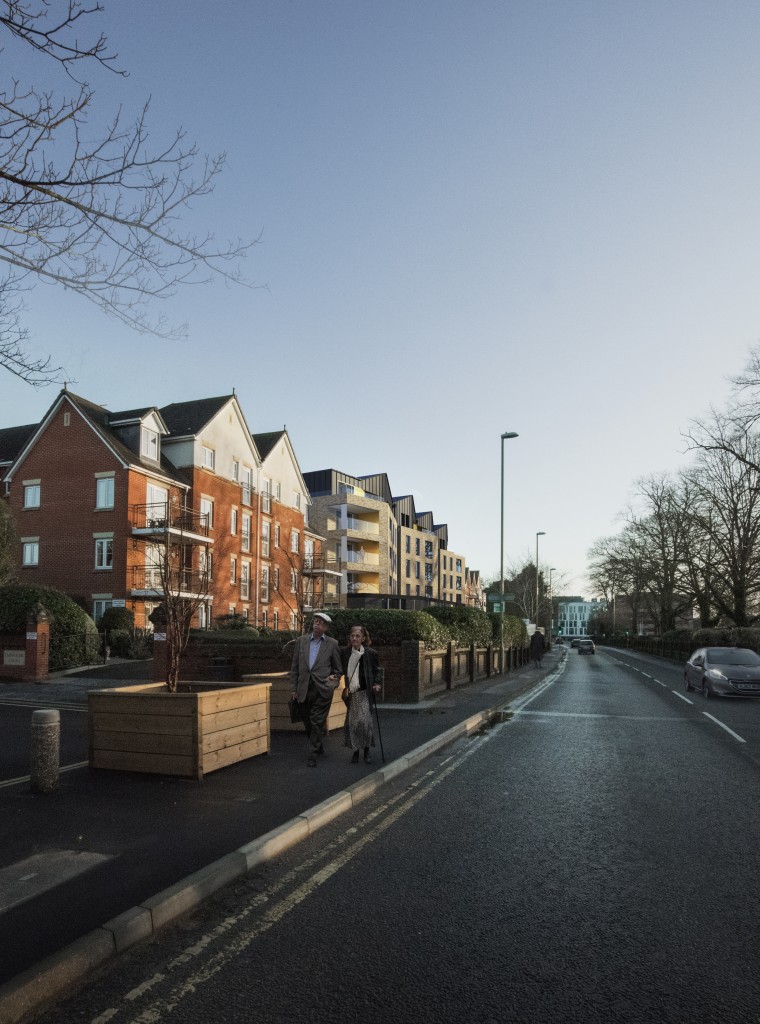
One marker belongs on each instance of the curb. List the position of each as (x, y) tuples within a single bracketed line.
[(55, 977)]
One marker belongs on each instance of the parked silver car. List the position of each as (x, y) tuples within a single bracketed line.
[(586, 647), (723, 671)]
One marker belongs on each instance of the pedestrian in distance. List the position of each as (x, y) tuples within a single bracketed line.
[(315, 671), (537, 648), (362, 677)]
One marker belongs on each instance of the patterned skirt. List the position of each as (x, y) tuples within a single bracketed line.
[(358, 732)]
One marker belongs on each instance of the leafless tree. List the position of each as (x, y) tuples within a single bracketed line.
[(7, 545), (95, 211)]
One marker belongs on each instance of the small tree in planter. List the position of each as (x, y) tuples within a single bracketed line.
[(184, 590)]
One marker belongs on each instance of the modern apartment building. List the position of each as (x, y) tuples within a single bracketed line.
[(389, 555), (574, 614), (99, 498)]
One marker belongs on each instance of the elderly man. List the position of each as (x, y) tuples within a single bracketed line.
[(314, 673)]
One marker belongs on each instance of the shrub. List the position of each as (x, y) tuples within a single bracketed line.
[(232, 620), (130, 643), (515, 633), (464, 625), (116, 618), (74, 640), (388, 626)]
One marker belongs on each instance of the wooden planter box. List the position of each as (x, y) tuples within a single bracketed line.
[(147, 729), (279, 713)]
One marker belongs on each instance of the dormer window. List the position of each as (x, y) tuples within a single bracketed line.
[(149, 443)]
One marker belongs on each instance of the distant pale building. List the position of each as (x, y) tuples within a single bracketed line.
[(574, 615)]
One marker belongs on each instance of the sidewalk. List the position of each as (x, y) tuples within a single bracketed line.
[(129, 836)]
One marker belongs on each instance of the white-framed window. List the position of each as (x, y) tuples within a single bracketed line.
[(207, 512), (233, 521), (265, 583), (235, 470), (149, 443), (293, 581), (30, 551), (293, 620), (206, 563), (276, 579), (32, 495), (295, 541), (278, 491), (245, 532), (245, 580), (265, 534), (208, 457), (276, 535), (104, 553), (99, 606), (247, 485), (275, 620), (266, 495), (308, 554), (297, 499), (233, 569), (104, 487), (264, 619)]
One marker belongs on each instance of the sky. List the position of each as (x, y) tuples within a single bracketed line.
[(471, 217)]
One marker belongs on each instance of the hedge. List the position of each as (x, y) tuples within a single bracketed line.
[(74, 639)]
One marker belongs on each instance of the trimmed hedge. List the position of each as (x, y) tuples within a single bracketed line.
[(389, 626), (116, 618), (74, 639), (464, 625)]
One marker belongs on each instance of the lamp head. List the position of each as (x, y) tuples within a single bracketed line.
[(541, 533), (509, 433)]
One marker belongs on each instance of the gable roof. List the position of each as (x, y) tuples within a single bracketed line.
[(266, 442), (13, 439), (185, 419)]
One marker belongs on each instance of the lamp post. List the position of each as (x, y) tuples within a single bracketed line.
[(551, 603), (504, 437), (540, 533)]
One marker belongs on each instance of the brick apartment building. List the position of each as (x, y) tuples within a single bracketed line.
[(99, 498)]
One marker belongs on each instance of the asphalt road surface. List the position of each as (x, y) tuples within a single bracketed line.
[(593, 858)]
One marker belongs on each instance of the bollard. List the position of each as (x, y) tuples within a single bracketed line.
[(46, 745)]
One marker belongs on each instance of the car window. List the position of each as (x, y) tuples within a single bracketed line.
[(733, 656)]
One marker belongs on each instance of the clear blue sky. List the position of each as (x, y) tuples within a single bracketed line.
[(473, 217)]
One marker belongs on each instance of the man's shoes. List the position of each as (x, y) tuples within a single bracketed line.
[(311, 763), (367, 758), (321, 749), (355, 757)]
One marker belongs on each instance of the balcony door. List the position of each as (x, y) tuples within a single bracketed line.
[(158, 503)]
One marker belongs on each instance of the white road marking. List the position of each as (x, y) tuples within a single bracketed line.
[(682, 697), (723, 726)]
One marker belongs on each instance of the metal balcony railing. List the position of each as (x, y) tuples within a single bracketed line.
[(315, 564), (180, 581), (158, 517)]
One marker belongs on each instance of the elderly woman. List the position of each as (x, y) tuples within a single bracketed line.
[(361, 673)]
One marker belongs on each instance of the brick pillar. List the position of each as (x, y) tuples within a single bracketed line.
[(37, 656), (411, 655)]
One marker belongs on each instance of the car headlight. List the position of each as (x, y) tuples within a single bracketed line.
[(715, 673)]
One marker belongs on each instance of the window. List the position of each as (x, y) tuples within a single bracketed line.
[(276, 578), (417, 570), (295, 541), (428, 549), (277, 535), (104, 554), (297, 499), (416, 545), (30, 552), (266, 495), (275, 621), (293, 621), (293, 581), (32, 495), (235, 470), (245, 579), (207, 512), (459, 564), (247, 485), (245, 540), (408, 567), (104, 492), (234, 521), (149, 443), (208, 457), (265, 531), (233, 569), (99, 606), (264, 619), (428, 572), (265, 583), (206, 563)]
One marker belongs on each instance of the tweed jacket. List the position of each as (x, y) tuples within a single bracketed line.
[(327, 663)]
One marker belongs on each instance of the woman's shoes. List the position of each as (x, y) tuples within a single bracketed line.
[(355, 757)]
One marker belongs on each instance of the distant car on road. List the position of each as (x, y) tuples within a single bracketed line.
[(724, 672), (575, 641), (586, 647)]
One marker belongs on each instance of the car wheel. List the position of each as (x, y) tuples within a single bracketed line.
[(706, 688), (689, 687)]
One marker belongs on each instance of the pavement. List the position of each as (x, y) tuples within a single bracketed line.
[(109, 858)]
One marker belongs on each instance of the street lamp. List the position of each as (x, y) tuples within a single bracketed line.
[(551, 603), (541, 533), (504, 437)]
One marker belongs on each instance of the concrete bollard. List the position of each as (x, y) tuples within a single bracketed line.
[(46, 746)]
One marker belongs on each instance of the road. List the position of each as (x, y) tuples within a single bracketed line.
[(593, 858)]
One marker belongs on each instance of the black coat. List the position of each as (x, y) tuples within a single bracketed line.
[(368, 671)]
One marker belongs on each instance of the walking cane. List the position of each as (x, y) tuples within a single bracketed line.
[(377, 716)]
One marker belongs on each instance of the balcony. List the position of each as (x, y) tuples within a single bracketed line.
[(361, 526), (157, 519), (320, 565), (147, 581)]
